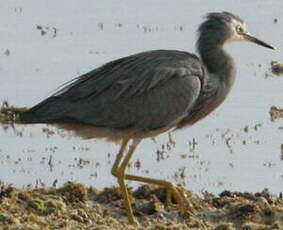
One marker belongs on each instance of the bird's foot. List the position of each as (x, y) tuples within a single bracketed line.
[(134, 222), (180, 196)]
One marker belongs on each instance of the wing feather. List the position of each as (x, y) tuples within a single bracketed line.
[(147, 91)]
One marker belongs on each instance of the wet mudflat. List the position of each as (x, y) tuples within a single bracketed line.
[(74, 206)]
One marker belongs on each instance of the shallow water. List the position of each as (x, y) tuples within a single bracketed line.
[(44, 44)]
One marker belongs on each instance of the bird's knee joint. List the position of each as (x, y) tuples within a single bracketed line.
[(114, 172), (120, 174), (117, 172)]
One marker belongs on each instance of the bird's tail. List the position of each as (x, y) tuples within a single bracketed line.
[(11, 114)]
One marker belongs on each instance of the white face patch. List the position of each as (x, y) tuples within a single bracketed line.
[(236, 35)]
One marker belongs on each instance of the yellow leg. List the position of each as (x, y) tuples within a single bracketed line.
[(119, 172), (119, 157), (172, 190)]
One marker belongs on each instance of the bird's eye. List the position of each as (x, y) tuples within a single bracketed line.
[(239, 29)]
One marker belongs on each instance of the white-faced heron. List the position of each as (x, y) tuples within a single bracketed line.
[(146, 94)]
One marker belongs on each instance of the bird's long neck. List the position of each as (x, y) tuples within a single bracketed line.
[(217, 61), (220, 77)]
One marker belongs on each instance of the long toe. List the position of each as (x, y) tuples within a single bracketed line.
[(179, 195)]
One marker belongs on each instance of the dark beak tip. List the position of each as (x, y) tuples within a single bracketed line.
[(257, 41), (272, 47)]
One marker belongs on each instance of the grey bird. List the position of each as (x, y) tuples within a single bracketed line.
[(146, 94)]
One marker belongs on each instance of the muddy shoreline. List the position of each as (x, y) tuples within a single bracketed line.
[(75, 206)]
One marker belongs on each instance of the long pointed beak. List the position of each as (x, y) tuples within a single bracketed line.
[(257, 41)]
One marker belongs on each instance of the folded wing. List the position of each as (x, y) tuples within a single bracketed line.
[(148, 91)]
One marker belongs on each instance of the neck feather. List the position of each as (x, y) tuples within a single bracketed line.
[(213, 56)]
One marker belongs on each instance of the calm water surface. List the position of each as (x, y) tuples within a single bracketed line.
[(46, 43)]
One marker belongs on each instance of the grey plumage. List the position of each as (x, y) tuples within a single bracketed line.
[(149, 90), (146, 94), (139, 91)]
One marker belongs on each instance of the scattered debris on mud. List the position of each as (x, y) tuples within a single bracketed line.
[(10, 114), (74, 206), (276, 113), (276, 68)]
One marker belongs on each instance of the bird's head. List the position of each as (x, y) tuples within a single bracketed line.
[(226, 27)]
